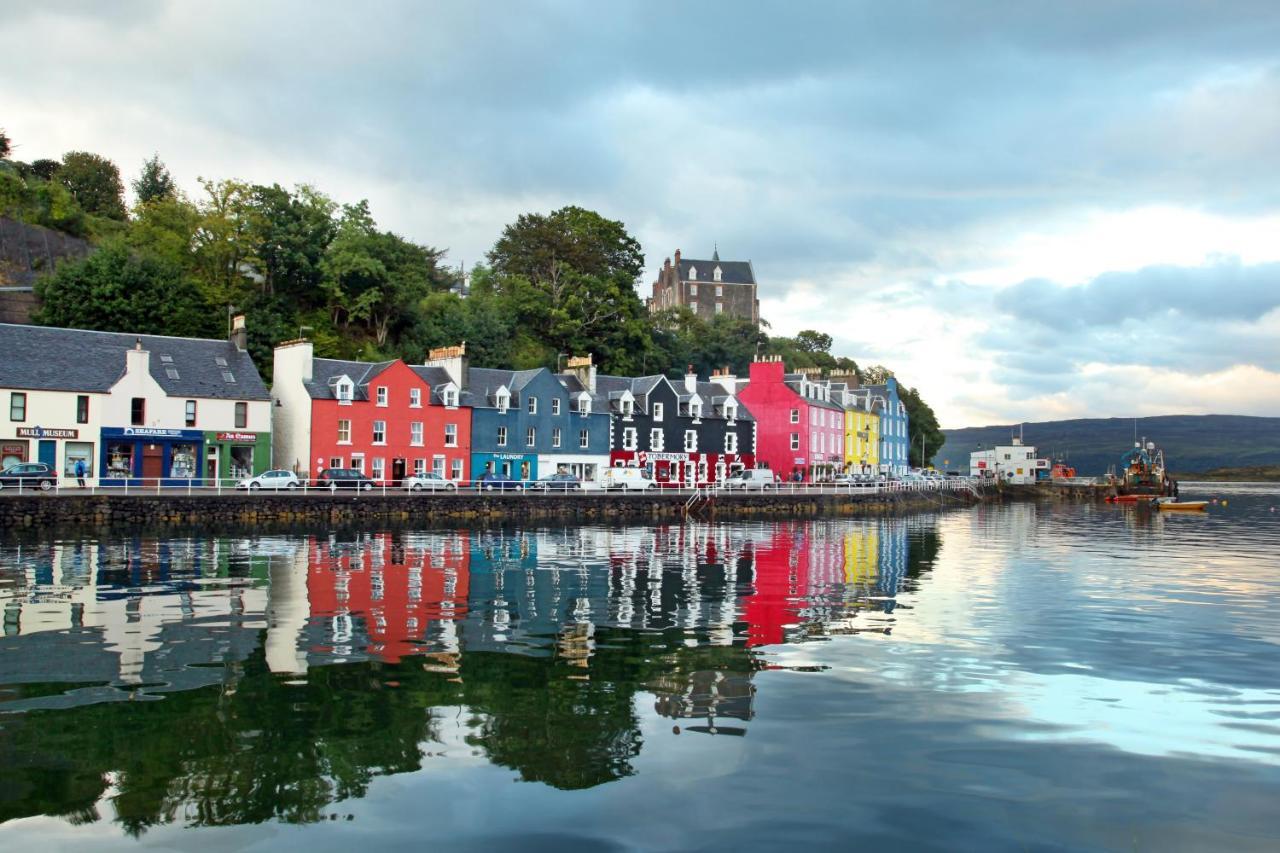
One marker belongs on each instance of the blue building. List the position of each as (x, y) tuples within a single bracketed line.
[(893, 426)]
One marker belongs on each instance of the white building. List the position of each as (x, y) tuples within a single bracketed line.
[(133, 407), (1013, 463)]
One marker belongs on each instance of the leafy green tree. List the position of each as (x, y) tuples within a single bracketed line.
[(6, 146), (94, 182), (538, 247), (154, 181), (292, 231), (116, 289), (45, 169), (813, 342)]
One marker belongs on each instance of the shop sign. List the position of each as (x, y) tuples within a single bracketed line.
[(799, 460), (156, 432), (982, 463), (13, 449), (508, 455), (241, 437), (651, 456), (42, 432)]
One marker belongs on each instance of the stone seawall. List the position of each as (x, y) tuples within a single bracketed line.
[(47, 513)]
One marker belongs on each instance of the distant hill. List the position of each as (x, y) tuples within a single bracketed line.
[(1191, 443)]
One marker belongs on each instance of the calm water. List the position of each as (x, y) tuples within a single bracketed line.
[(1029, 677)]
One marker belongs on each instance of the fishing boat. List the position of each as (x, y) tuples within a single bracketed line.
[(1142, 475)]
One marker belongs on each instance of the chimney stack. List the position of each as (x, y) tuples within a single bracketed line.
[(239, 334), (584, 368), (690, 380), (454, 362)]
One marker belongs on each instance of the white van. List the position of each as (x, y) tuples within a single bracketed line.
[(751, 478), (631, 479)]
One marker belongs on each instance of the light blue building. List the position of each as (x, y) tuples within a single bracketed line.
[(893, 426)]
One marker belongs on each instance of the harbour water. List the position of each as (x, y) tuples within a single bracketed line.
[(1030, 676)]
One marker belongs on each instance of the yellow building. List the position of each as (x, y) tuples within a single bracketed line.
[(861, 439)]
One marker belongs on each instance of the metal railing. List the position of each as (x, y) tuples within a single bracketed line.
[(301, 486)]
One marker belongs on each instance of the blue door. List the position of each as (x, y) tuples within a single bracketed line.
[(49, 452)]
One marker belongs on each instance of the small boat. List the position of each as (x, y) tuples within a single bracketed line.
[(1128, 499), (1175, 504)]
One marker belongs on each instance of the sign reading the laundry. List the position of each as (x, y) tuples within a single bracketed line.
[(243, 437), (42, 432)]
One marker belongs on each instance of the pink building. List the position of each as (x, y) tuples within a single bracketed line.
[(799, 428)]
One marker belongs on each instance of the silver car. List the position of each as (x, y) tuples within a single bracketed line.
[(429, 481), (273, 479)]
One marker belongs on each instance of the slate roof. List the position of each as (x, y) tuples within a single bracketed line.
[(571, 383), (715, 396), (325, 370), (731, 272), (437, 378), (41, 358)]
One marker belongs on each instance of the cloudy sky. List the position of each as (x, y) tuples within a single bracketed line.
[(1027, 210)]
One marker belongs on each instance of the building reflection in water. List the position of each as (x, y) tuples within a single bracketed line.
[(545, 647)]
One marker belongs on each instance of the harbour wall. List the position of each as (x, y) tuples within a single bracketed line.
[(48, 513)]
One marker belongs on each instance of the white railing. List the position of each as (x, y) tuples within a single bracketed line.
[(302, 487)]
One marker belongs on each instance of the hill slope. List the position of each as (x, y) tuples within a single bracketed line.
[(1191, 442)]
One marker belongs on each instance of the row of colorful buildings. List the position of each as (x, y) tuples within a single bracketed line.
[(143, 408)]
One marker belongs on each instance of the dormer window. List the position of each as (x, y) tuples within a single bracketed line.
[(627, 407), (657, 411), (343, 389), (693, 273), (584, 405), (450, 397), (715, 274), (695, 411), (504, 401), (730, 412)]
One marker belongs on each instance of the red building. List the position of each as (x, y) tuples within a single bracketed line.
[(387, 419), (799, 428), (409, 595)]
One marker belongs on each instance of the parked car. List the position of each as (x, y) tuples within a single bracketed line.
[(29, 475), (629, 479), (343, 478), (854, 480), (751, 478), (913, 477), (493, 481), (273, 479), (430, 481), (558, 483)]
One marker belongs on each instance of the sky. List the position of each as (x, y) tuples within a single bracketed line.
[(1028, 211)]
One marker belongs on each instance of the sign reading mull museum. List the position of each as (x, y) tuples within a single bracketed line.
[(44, 432)]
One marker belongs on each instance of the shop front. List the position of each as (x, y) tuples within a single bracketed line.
[(683, 470), (586, 467), (59, 448), (232, 456), (517, 466), (149, 456)]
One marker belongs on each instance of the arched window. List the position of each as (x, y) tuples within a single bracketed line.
[(715, 274), (693, 273)]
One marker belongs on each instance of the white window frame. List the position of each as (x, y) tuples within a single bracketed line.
[(533, 405), (381, 394), (344, 391), (584, 406), (450, 435), (656, 439), (795, 441), (695, 412), (377, 468), (344, 431), (731, 412), (691, 441), (379, 427), (629, 438), (657, 411), (502, 436), (504, 403), (451, 398), (415, 398), (419, 467), (555, 436), (531, 437), (795, 416), (730, 442), (455, 469), (415, 433), (628, 408)]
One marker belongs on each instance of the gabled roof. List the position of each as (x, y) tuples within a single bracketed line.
[(718, 397), (42, 358), (326, 371), (731, 272), (437, 378)]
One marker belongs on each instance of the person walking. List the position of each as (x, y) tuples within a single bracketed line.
[(80, 472)]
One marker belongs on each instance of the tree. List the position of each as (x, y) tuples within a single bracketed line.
[(45, 169), (292, 232), (6, 146), (119, 290), (154, 182), (570, 276), (94, 182), (813, 342)]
